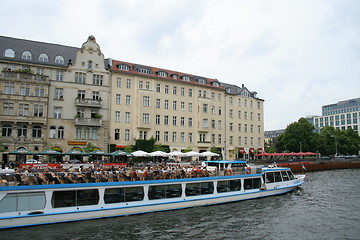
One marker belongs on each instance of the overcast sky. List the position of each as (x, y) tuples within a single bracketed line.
[(297, 55)]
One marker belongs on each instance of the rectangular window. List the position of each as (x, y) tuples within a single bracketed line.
[(9, 88), (174, 90), (190, 107), (199, 188), (72, 198), (146, 101), (174, 137), (80, 77), (38, 110), (166, 104), (39, 91), (205, 123), (182, 106), (117, 134), (146, 118), (190, 136), (166, 90), (174, 105), (59, 76), (140, 84), (117, 116), (229, 186), (24, 89), (158, 87), (182, 91), (118, 82), (166, 120), (174, 120), (23, 109), (165, 191), (157, 103), (128, 83), (58, 93), (15, 202), (97, 79), (166, 136), (94, 133), (190, 122), (118, 99), (157, 119), (157, 136), (128, 100), (124, 194), (127, 117), (182, 121), (190, 92), (252, 183), (127, 134), (8, 108), (205, 108), (57, 112), (81, 94)]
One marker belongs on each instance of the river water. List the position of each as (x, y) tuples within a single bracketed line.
[(327, 206)]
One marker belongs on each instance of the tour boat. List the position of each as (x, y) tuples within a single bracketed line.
[(46, 198)]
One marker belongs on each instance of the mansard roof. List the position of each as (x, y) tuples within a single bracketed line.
[(36, 49), (136, 69)]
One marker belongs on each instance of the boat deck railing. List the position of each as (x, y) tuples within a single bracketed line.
[(69, 177)]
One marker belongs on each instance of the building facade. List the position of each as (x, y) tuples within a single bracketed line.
[(60, 97), (341, 115)]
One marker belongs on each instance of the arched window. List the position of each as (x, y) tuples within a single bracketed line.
[(36, 132), (52, 132), (59, 59), (9, 53), (90, 65), (117, 134), (43, 57), (26, 55), (61, 132), (6, 130)]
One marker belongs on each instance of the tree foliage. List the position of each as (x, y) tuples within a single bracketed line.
[(300, 136)]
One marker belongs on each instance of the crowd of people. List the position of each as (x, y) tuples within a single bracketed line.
[(33, 176)]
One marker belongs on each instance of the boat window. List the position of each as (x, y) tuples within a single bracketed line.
[(200, 188), (229, 186), (75, 198), (164, 191), (252, 183), (291, 175), (124, 194), (13, 202), (284, 175), (277, 177), (270, 177)]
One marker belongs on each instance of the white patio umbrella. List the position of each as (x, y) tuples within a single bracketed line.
[(193, 154), (159, 154), (177, 154), (209, 154), (140, 153)]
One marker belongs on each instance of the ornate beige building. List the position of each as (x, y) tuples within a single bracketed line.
[(54, 96)]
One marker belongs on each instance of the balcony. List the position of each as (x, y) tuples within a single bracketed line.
[(92, 122), (88, 102), (25, 76)]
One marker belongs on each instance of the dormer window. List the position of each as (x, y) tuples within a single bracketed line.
[(26, 55), (9, 53), (215, 84), (43, 57), (144, 70), (123, 67), (175, 76), (201, 80), (186, 78), (59, 59), (162, 74)]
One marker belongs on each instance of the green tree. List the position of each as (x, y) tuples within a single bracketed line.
[(298, 136), (145, 145), (327, 140), (89, 147)]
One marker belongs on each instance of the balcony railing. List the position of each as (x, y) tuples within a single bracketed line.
[(25, 76), (94, 122), (87, 102)]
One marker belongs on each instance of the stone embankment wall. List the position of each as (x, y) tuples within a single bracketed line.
[(313, 166)]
